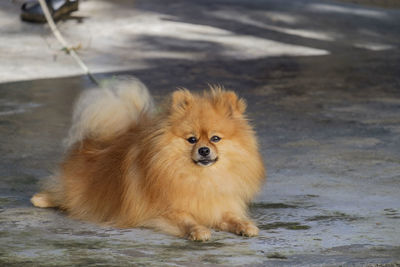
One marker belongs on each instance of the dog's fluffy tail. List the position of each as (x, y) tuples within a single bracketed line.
[(105, 112)]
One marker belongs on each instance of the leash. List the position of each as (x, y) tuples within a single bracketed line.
[(66, 46)]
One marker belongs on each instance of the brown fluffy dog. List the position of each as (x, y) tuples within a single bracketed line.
[(192, 166)]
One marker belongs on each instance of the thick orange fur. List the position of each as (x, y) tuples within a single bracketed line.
[(146, 177)]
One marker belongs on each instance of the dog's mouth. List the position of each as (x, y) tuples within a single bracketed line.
[(205, 162)]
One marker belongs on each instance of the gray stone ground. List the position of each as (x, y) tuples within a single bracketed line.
[(322, 80)]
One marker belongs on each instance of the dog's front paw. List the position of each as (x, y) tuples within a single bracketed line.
[(199, 233), (246, 229)]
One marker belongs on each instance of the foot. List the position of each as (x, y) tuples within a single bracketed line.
[(199, 233), (42, 200), (32, 11), (246, 229), (238, 225)]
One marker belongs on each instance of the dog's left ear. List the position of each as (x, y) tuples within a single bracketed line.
[(228, 101), (235, 104)]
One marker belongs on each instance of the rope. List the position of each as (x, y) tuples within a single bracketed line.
[(64, 43)]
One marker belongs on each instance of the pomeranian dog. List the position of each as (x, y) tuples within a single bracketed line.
[(190, 166)]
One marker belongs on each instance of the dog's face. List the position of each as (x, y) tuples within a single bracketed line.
[(204, 148), (209, 128)]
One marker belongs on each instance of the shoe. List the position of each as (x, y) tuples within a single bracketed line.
[(32, 12)]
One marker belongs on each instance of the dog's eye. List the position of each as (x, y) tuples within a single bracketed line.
[(192, 140), (215, 139)]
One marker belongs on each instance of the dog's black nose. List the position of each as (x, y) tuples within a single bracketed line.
[(204, 151)]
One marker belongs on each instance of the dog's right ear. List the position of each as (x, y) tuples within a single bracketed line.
[(181, 100)]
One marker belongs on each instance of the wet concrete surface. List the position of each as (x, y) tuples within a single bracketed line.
[(329, 131), (330, 138)]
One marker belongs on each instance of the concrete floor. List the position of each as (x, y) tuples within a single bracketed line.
[(322, 80)]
